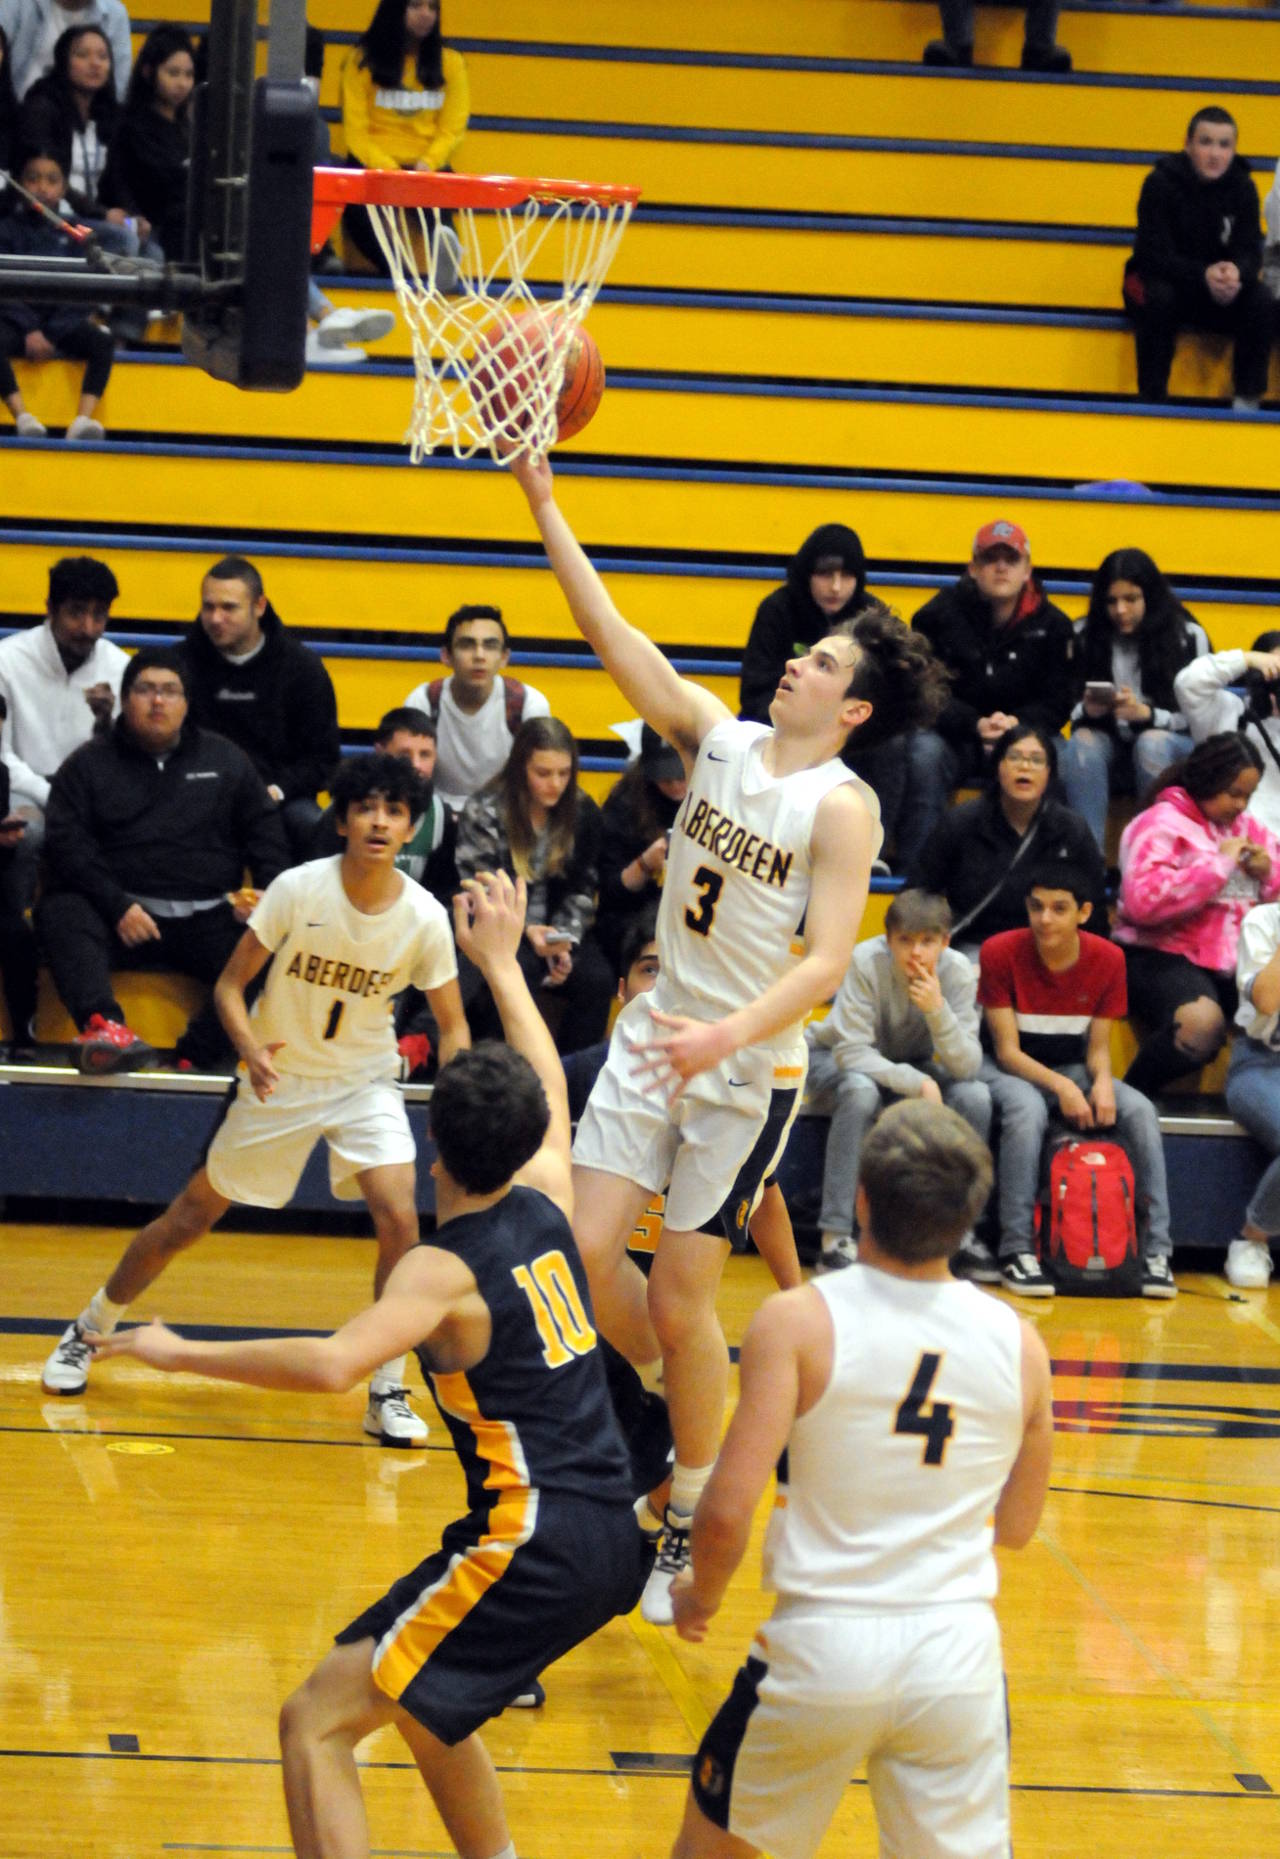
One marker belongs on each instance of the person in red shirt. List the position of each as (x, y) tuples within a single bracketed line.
[(1050, 993)]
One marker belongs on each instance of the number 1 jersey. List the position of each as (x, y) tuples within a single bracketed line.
[(336, 970), (738, 870)]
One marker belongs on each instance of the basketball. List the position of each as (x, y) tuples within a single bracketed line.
[(506, 361)]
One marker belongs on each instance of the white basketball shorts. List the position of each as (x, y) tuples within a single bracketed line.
[(259, 1150)]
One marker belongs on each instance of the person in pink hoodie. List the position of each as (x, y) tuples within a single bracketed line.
[(1191, 864)]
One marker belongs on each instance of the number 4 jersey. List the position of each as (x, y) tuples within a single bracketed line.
[(738, 870), (336, 969), (888, 1483)]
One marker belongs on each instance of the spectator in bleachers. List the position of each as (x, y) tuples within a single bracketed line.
[(1191, 864), (41, 332), (150, 829), (430, 857), (533, 821), (59, 683), (146, 171), (1127, 727), (1011, 657), (1253, 1089), (826, 584), (74, 108), (1197, 258), (405, 102), (257, 684), (635, 825), (17, 944), (1210, 706), (8, 105), (904, 1024), (1271, 247), (33, 28), (1050, 993), (478, 710), (1040, 50), (979, 852)]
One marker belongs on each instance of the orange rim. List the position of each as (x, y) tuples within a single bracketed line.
[(335, 188)]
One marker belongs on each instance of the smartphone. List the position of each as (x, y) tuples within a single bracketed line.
[(1100, 693), (556, 938)]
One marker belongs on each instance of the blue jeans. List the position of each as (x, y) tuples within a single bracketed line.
[(855, 1101), (1094, 764), (1253, 1098), (1025, 1114)]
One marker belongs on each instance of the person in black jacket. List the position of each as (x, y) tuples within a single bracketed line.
[(250, 680), (979, 853), (826, 583), (146, 171), (147, 835), (8, 103), (1197, 260), (40, 331), (74, 108), (635, 825), (1010, 656)]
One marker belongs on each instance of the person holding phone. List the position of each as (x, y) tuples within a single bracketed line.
[(1126, 727), (534, 822)]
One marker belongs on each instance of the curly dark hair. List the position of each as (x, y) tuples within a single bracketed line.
[(490, 1088), (897, 673), (1210, 768), (362, 776)]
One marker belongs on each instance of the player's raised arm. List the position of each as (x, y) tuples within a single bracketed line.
[(680, 711), (488, 919)]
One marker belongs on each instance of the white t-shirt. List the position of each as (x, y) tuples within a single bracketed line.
[(472, 746), (336, 970), (892, 1476), (737, 880), (1259, 940)]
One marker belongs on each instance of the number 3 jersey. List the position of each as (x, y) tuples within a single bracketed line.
[(336, 969), (738, 871), (888, 1483), (534, 1413)]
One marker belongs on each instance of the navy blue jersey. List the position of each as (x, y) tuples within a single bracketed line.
[(535, 1413)]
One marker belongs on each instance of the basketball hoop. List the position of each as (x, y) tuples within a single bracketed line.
[(489, 355)]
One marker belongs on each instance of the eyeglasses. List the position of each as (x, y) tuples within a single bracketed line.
[(169, 693), (1016, 759)]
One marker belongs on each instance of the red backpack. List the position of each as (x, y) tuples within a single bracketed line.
[(1088, 1233)]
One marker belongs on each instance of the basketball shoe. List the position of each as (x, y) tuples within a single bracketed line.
[(673, 1556), (67, 1370), (108, 1046), (390, 1418)]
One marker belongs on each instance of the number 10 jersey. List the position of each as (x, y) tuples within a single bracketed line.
[(738, 869)]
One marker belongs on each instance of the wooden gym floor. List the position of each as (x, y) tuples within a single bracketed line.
[(175, 1554)]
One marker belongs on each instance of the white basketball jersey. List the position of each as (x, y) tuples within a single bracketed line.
[(328, 995), (737, 878), (887, 1486)]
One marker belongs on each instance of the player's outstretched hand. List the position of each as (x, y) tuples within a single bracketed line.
[(686, 1048), (488, 918), (690, 1620), (152, 1343), (533, 475), (260, 1065)]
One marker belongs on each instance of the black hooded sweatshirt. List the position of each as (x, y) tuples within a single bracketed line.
[(788, 621), (279, 706), (1186, 224)]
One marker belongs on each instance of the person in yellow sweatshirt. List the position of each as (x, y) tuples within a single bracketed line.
[(405, 101)]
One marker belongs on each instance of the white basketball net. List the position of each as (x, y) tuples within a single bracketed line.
[(456, 286)]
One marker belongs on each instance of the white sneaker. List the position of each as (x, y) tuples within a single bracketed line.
[(29, 427), (84, 426), (342, 327), (317, 355), (838, 1250), (1248, 1265), (673, 1556), (390, 1418), (67, 1370)]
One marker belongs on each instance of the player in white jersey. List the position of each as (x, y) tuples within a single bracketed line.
[(774, 834), (902, 1409), (318, 1058)]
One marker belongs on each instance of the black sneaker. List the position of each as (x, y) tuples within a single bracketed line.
[(976, 1262), (1055, 59), (939, 52), (1157, 1276), (1021, 1273)]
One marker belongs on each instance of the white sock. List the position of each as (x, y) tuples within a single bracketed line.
[(687, 1483), (390, 1375), (508, 1851), (650, 1374), (100, 1314)]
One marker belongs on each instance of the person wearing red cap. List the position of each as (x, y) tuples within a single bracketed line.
[(1010, 653)]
